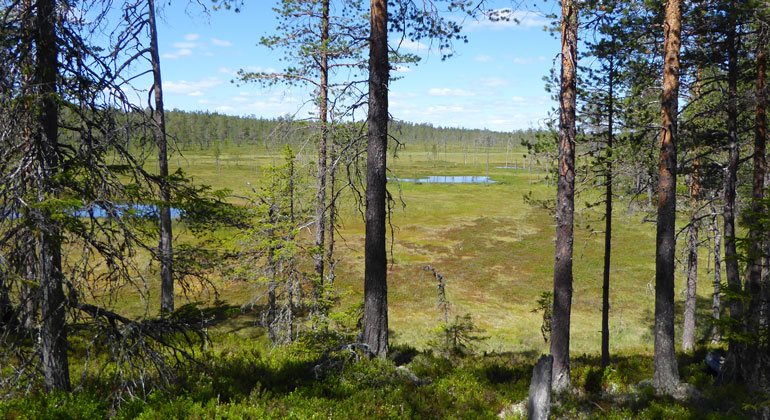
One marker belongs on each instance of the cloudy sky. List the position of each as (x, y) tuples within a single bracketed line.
[(494, 81)]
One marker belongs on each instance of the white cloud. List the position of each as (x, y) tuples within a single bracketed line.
[(506, 18), (191, 37), (221, 43), (450, 92), (444, 108), (494, 82), (259, 69), (481, 58), (226, 70), (182, 52), (414, 46), (184, 45), (519, 60), (191, 88), (402, 69)]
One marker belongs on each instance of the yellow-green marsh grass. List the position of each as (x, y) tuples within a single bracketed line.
[(494, 249)]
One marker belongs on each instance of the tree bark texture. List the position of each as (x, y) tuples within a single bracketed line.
[(53, 328), (375, 258), (608, 224), (159, 115), (565, 199), (323, 106), (666, 377), (332, 218), (539, 401), (735, 350), (688, 329), (757, 363), (716, 304)]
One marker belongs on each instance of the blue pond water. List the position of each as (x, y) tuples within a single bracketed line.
[(148, 211), (442, 179)]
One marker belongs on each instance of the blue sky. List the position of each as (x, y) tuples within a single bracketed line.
[(494, 81)]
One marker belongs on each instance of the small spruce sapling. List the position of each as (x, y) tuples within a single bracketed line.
[(272, 252), (459, 337), (545, 305)]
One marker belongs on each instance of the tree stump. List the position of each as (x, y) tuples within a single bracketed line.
[(539, 405)]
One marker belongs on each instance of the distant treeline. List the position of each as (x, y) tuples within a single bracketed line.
[(206, 130)]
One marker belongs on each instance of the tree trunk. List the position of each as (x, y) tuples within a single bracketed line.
[(688, 329), (332, 218), (159, 115), (539, 401), (608, 223), (486, 181), (735, 350), (666, 377), (716, 335), (649, 192), (565, 199), (53, 331), (375, 259), (320, 218), (755, 365)]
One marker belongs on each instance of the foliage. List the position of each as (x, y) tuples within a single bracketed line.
[(271, 251), (251, 382), (545, 305), (458, 337)]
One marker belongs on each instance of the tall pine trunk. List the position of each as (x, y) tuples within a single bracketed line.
[(688, 329), (323, 105), (735, 351), (375, 258), (165, 246), (666, 377), (608, 222), (565, 199), (716, 335), (53, 328), (756, 364)]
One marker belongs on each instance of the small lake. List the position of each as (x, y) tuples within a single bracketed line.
[(447, 179), (147, 211)]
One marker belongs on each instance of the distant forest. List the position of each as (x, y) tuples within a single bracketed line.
[(206, 130)]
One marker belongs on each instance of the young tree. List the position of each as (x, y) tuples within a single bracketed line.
[(565, 198), (666, 377), (318, 43), (271, 251)]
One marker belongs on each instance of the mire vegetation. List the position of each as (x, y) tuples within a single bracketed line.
[(160, 264)]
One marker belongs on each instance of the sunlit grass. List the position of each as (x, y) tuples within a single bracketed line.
[(494, 249)]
